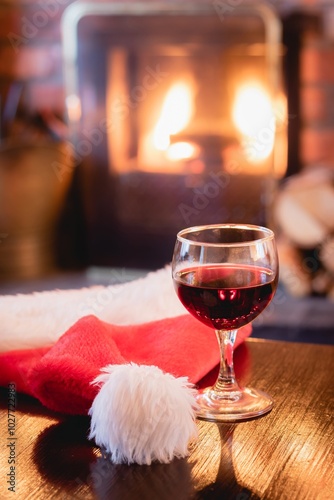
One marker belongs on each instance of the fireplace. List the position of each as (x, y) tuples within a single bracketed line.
[(177, 118)]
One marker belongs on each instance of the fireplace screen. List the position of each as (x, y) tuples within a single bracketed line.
[(179, 109)]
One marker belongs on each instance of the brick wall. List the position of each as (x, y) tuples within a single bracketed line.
[(317, 99), (30, 52), (30, 59)]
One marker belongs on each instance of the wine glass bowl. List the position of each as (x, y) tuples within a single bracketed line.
[(226, 275)]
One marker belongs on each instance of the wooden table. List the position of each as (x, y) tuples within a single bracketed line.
[(287, 454)]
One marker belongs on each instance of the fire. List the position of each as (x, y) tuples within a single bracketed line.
[(254, 116), (181, 151), (177, 111)]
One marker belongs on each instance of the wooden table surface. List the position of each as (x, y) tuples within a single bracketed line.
[(287, 454)]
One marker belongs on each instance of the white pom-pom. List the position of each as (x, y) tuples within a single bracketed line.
[(142, 414)]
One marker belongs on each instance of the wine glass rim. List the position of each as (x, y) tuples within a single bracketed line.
[(269, 234)]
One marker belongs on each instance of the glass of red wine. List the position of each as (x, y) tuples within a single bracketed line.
[(225, 275)]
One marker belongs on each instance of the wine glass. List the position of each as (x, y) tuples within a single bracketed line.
[(225, 275)]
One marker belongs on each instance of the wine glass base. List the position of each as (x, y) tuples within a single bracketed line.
[(242, 405)]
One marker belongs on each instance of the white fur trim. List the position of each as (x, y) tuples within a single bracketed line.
[(142, 415), (39, 319)]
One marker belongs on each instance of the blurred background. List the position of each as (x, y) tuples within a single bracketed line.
[(122, 125)]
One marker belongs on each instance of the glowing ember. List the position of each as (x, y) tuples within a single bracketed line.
[(181, 151)]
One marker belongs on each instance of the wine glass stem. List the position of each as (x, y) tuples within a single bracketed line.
[(226, 381)]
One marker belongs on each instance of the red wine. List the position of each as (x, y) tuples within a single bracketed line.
[(225, 296)]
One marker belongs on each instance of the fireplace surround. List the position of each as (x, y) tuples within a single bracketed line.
[(177, 117)]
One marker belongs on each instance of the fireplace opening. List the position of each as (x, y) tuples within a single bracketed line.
[(178, 118)]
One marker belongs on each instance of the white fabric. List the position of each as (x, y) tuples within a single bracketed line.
[(141, 414), (39, 319)]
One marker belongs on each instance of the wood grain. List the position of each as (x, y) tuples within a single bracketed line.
[(287, 454)]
